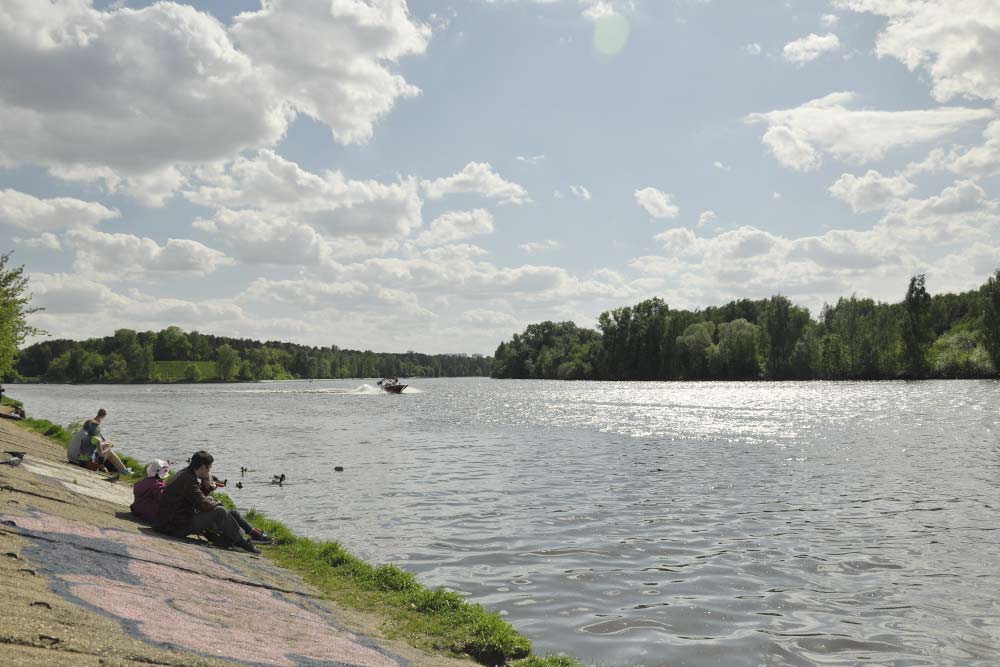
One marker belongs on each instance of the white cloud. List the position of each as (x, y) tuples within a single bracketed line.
[(254, 237), (752, 49), (797, 137), (478, 178), (30, 213), (308, 293), (529, 159), (126, 255), (956, 42), (981, 160), (595, 10), (706, 218), (47, 241), (870, 192), (809, 48), (657, 203), (775, 196), (404, 305), (937, 160), (722, 166), (580, 191), (489, 318), (65, 297), (459, 271), (913, 236), (963, 197), (830, 20), (92, 85), (533, 247), (791, 148), (335, 206), (152, 188), (455, 226), (336, 72)]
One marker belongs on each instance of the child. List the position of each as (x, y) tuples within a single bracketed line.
[(148, 491)]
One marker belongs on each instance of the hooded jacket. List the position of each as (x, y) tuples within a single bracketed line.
[(147, 498)]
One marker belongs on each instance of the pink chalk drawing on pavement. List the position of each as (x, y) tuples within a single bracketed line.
[(136, 545), (189, 610)]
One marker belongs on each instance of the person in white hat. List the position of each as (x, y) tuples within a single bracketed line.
[(148, 492)]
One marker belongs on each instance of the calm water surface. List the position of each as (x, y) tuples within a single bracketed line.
[(631, 523)]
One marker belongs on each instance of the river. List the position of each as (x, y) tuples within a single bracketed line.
[(644, 524)]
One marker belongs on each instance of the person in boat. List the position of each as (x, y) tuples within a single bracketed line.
[(186, 508)]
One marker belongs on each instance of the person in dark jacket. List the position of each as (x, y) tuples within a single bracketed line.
[(185, 509)]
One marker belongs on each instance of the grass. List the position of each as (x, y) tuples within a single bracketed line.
[(177, 371), (435, 619), (432, 619)]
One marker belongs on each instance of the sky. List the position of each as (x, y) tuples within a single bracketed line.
[(436, 176)]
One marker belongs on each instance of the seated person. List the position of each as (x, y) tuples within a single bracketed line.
[(147, 492), (186, 510), (102, 452), (77, 453)]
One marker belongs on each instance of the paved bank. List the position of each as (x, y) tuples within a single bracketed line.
[(86, 585)]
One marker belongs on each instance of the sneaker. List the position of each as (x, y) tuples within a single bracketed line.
[(249, 546), (128, 471), (258, 535)]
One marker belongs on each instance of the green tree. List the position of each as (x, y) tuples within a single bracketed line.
[(172, 344), (14, 308), (58, 369), (917, 334), (833, 363), (991, 317), (191, 373), (201, 347), (115, 368), (806, 354), (782, 324), (228, 362), (738, 350), (961, 353), (695, 346), (140, 361)]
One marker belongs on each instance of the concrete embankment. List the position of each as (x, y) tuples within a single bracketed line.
[(84, 584)]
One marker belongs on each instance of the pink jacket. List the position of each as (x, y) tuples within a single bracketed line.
[(147, 498)]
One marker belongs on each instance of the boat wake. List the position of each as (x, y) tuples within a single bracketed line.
[(362, 390)]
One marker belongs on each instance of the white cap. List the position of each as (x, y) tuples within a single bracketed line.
[(158, 468)]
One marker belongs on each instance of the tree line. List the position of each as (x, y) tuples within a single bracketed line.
[(146, 356), (923, 336)]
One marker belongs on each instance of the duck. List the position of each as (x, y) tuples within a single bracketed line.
[(278, 479)]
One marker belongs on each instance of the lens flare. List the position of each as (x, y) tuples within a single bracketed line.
[(610, 34)]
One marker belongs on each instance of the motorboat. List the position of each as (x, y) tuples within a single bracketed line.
[(392, 385)]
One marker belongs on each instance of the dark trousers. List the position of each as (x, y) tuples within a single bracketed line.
[(217, 520), (241, 522)]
